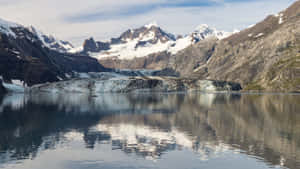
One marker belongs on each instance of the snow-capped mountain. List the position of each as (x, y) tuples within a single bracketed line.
[(204, 31), (9, 28), (31, 57), (146, 40), (51, 42)]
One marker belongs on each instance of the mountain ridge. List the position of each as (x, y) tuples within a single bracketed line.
[(25, 57), (146, 40), (263, 57)]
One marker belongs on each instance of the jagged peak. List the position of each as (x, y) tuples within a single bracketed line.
[(50, 41), (204, 28), (203, 31)]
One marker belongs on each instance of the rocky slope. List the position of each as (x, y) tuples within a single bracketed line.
[(263, 57), (26, 57)]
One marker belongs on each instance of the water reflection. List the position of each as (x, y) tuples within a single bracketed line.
[(266, 127)]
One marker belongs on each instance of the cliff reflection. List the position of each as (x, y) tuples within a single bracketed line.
[(149, 125)]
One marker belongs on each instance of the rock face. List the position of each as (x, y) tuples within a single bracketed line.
[(2, 89), (24, 56), (90, 45), (263, 57), (125, 84)]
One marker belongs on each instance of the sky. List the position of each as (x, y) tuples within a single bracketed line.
[(76, 20)]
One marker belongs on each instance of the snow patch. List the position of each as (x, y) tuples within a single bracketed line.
[(76, 50), (280, 16), (129, 50), (17, 86), (181, 44), (204, 31), (280, 21), (259, 35), (153, 23), (5, 27), (14, 88), (250, 26), (19, 82)]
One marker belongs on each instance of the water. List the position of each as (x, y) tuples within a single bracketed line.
[(164, 131)]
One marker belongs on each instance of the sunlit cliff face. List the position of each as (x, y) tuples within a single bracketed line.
[(150, 125)]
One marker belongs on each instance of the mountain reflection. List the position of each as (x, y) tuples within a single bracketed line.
[(149, 125)]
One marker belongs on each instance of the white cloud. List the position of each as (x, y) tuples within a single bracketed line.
[(50, 16)]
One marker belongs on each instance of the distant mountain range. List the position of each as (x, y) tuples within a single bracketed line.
[(146, 40), (265, 56)]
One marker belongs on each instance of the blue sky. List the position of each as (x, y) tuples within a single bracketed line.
[(76, 20)]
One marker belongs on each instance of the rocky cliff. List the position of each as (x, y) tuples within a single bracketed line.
[(263, 57)]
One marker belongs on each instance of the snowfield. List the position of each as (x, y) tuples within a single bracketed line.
[(132, 48)]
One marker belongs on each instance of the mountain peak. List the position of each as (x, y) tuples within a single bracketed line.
[(50, 41), (202, 27), (5, 27), (151, 24), (204, 31)]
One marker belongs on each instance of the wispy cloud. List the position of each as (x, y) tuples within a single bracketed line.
[(128, 10), (75, 19)]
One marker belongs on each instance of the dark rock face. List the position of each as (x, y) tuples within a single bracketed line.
[(2, 89), (25, 58), (91, 46)]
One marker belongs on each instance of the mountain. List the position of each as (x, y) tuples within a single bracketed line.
[(31, 57), (265, 56), (51, 42), (138, 45), (204, 31)]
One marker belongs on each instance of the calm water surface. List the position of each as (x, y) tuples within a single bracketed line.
[(164, 131)]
